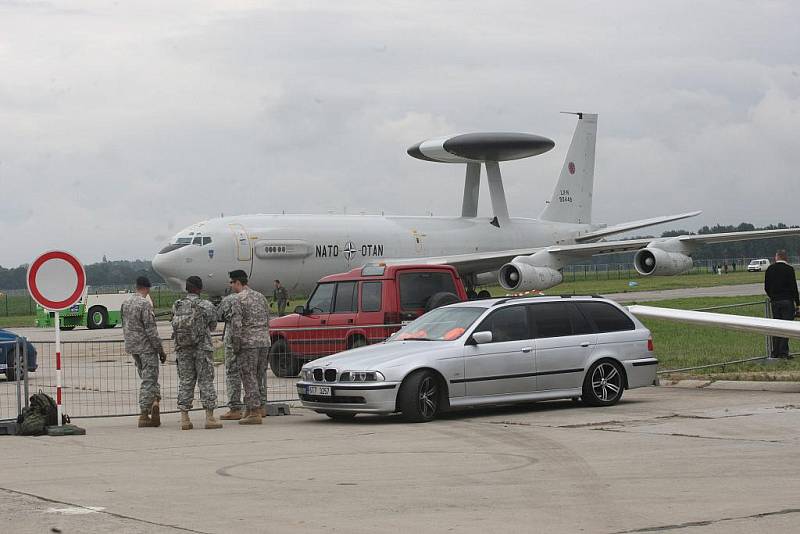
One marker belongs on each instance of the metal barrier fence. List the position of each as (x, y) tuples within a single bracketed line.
[(100, 380)]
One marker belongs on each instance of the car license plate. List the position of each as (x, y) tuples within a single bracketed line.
[(322, 391)]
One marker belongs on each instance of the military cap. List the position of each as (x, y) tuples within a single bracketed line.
[(143, 281), (194, 282)]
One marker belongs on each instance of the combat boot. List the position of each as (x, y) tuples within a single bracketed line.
[(251, 417), (155, 413), (211, 422), (231, 415), (144, 420), (186, 423), (262, 411)]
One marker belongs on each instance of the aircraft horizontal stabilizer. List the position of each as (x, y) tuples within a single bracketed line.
[(633, 225)]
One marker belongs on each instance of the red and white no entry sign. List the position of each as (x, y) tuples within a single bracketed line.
[(56, 280)]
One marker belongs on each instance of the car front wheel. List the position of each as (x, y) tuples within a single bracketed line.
[(420, 396), (604, 384), (281, 361)]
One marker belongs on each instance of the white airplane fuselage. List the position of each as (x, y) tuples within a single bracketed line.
[(298, 250)]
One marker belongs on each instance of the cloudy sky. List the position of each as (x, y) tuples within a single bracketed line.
[(121, 123)]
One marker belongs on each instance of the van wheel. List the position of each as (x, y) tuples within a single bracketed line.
[(604, 384), (443, 298), (420, 396), (471, 295), (484, 294), (358, 341), (281, 362), (97, 317), (11, 375), (68, 328)]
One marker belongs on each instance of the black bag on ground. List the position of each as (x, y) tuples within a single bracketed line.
[(41, 413)]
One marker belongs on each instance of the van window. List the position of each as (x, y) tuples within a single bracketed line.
[(606, 317), (507, 324), (371, 296), (320, 301), (345, 297), (417, 287)]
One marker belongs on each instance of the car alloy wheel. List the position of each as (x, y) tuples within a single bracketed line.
[(428, 397), (419, 398), (604, 384)]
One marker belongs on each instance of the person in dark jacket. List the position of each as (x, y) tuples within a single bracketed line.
[(780, 285)]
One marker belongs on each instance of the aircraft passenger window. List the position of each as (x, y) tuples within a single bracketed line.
[(206, 240), (197, 241), (606, 317), (345, 297), (320, 301), (371, 296), (417, 288), (507, 324)]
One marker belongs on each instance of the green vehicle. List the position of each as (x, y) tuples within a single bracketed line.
[(91, 311)]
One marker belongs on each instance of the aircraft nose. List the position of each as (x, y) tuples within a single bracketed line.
[(166, 269)]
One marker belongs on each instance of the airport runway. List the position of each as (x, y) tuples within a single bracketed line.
[(663, 460), (83, 334)]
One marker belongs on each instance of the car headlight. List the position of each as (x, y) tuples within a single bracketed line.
[(307, 375), (361, 376)]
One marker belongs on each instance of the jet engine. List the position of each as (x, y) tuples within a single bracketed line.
[(519, 276), (658, 262)]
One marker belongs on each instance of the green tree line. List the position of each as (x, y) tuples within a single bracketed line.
[(107, 273)]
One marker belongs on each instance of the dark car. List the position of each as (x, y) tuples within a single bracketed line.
[(9, 344)]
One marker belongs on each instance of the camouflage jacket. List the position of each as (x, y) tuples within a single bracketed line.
[(207, 325), (280, 294), (249, 323), (139, 326), (224, 315)]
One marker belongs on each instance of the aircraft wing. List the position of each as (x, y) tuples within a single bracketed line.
[(482, 262), (756, 325), (633, 225)]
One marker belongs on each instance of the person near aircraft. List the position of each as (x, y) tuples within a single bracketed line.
[(780, 285)]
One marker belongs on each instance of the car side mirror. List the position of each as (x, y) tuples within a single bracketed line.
[(482, 337), (300, 310)]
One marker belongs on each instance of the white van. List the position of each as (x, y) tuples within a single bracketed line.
[(758, 265)]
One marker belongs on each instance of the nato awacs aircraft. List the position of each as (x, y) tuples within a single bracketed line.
[(521, 253)]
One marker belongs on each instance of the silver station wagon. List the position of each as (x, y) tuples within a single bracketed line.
[(494, 351)]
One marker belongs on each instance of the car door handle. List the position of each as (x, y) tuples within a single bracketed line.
[(526, 349), (585, 344), (349, 321), (322, 321)]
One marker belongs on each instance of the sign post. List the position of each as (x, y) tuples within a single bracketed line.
[(56, 280)]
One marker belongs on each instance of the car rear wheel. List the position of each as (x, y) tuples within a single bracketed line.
[(97, 318), (419, 398), (604, 384), (281, 362)]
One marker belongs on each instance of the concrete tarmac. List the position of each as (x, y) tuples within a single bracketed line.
[(663, 460)]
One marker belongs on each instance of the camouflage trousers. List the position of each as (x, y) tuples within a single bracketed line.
[(149, 390), (253, 364), (233, 380), (196, 367)]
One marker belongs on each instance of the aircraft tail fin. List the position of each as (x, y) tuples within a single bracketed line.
[(572, 197)]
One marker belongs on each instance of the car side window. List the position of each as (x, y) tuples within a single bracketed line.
[(345, 297), (371, 296), (320, 301), (551, 319), (507, 324), (606, 317)]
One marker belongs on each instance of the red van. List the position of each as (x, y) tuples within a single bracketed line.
[(359, 307)]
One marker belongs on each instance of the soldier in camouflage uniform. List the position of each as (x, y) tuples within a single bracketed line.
[(193, 319), (233, 378), (142, 342), (249, 326)]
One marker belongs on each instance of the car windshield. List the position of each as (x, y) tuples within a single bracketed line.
[(442, 324)]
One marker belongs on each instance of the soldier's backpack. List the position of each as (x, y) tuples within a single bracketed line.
[(188, 324), (40, 413)]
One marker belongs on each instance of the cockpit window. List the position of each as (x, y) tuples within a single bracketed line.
[(197, 241), (183, 241), (170, 248), (206, 240)]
